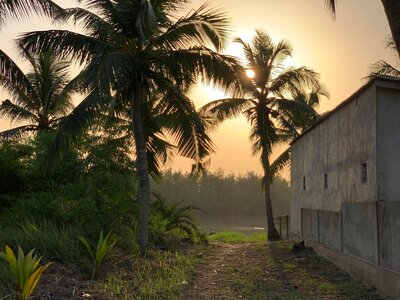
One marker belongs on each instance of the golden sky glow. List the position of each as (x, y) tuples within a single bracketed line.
[(340, 50)]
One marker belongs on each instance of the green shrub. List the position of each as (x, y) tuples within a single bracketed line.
[(170, 222)]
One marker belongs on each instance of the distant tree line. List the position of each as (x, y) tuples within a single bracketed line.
[(219, 193)]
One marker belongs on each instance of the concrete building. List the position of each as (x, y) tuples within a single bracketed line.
[(345, 178)]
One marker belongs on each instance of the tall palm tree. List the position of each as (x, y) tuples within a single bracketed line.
[(392, 11), (17, 9), (132, 46), (40, 98), (268, 100)]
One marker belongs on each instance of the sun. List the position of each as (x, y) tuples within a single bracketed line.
[(250, 73)]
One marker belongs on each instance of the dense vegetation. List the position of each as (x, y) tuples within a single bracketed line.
[(89, 191)]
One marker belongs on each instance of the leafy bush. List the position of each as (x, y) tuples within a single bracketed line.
[(169, 222)]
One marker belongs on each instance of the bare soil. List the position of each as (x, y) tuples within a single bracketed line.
[(270, 271)]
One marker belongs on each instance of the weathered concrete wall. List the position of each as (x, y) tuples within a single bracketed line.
[(336, 147), (309, 224), (388, 143), (389, 234), (360, 230), (330, 229)]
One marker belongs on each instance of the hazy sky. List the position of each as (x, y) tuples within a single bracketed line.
[(341, 50)]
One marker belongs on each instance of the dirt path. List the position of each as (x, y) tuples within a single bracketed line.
[(255, 271)]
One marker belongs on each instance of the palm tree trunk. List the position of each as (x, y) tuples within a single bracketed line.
[(142, 169), (392, 11), (272, 233)]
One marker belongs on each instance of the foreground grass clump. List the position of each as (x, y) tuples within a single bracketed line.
[(159, 276), (26, 270), (237, 237)]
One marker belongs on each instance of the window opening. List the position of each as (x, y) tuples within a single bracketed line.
[(364, 173)]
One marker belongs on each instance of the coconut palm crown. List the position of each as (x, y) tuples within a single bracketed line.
[(40, 98), (131, 47), (271, 101)]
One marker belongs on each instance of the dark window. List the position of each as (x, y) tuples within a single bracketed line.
[(325, 180), (304, 182), (364, 173)]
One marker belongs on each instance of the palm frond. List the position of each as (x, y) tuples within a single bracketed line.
[(248, 52), (280, 162), (187, 127), (205, 26), (12, 77), (67, 44), (79, 120), (19, 9), (92, 23), (16, 113), (383, 68), (212, 67), (294, 80), (16, 133), (224, 109), (331, 5)]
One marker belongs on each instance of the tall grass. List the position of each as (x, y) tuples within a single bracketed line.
[(53, 242)]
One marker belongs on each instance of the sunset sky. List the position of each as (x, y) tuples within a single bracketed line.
[(341, 50)]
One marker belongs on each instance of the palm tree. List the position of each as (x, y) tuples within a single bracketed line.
[(40, 98), (268, 102), (392, 11), (131, 47), (18, 9)]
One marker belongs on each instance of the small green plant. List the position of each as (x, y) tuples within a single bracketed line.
[(104, 246), (26, 270)]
